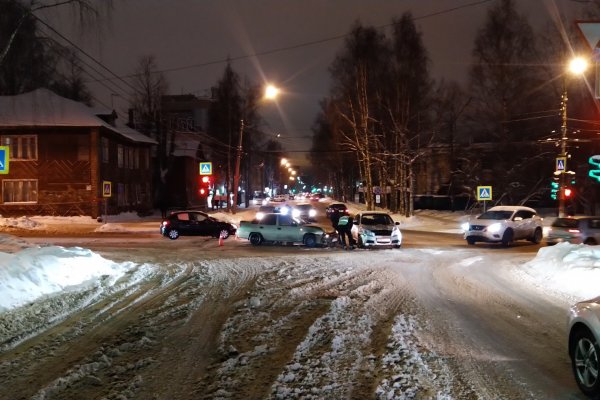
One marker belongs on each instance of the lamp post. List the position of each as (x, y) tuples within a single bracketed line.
[(271, 93), (577, 66)]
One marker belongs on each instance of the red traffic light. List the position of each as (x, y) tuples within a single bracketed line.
[(203, 191), (568, 192), (206, 179)]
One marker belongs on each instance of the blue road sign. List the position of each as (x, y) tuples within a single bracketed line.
[(561, 164), (3, 159), (206, 168), (484, 193)]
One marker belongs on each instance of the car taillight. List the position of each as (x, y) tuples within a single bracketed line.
[(574, 231), (165, 223)]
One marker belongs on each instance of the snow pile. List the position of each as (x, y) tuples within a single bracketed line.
[(570, 270), (34, 272), (22, 223)]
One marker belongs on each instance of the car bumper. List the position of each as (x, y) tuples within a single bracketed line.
[(483, 236), (551, 240), (380, 241)]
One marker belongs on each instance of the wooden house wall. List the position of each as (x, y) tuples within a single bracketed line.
[(70, 171)]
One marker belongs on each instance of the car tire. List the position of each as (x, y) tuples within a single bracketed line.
[(173, 234), (397, 246), (310, 240), (590, 241), (537, 236), (255, 239), (470, 241), (584, 353), (360, 242), (224, 233), (507, 238)]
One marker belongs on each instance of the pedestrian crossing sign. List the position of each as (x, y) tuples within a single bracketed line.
[(484, 193), (561, 164), (205, 168), (3, 159)]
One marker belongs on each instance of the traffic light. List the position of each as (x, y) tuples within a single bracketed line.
[(205, 184), (568, 193), (553, 190)]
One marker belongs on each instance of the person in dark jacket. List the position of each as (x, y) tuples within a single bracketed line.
[(344, 228)]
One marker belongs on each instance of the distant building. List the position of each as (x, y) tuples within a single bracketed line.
[(65, 156)]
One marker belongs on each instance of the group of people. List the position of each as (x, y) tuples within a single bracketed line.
[(343, 226)]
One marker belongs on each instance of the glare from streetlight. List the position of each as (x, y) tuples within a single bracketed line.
[(283, 161), (578, 65), (271, 92)]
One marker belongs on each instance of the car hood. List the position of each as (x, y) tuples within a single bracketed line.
[(487, 222), (377, 227)]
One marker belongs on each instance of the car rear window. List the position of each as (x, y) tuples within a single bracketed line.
[(565, 223)]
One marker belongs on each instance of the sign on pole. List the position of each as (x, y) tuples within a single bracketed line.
[(106, 189), (206, 168), (590, 30), (561, 164), (484, 193), (3, 159)]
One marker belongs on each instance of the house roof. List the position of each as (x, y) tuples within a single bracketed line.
[(44, 108)]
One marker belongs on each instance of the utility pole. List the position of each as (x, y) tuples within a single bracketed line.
[(563, 154), (236, 176)]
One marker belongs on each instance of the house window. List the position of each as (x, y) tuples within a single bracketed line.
[(22, 147), (120, 155), (104, 145), (19, 191)]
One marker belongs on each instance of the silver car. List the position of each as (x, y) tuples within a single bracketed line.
[(574, 230), (374, 228), (584, 351)]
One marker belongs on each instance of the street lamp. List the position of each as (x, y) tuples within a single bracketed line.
[(271, 93), (577, 66)]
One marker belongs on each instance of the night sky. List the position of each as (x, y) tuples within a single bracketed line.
[(192, 38)]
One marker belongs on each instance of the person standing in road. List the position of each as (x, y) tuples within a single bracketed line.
[(344, 228)]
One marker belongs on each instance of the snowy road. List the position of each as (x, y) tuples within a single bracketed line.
[(233, 322)]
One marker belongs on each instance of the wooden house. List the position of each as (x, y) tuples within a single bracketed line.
[(65, 158)]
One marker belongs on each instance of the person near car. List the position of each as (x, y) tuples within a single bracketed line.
[(344, 228)]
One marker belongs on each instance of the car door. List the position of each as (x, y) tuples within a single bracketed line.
[(203, 225), (268, 227), (523, 224), (288, 229), (184, 224)]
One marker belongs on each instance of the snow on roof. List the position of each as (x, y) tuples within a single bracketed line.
[(42, 107)]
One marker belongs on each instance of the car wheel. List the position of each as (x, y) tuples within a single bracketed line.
[(255, 238), (397, 246), (584, 360), (537, 236), (507, 238), (173, 234), (361, 244), (223, 234), (470, 241), (590, 241), (310, 240)]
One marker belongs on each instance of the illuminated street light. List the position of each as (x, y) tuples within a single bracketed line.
[(270, 94), (577, 66), (283, 161)]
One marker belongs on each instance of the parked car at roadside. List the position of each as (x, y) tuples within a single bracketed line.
[(376, 228), (504, 224), (583, 344), (580, 229), (195, 223)]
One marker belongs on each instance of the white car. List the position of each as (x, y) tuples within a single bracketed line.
[(375, 228), (505, 224), (584, 350)]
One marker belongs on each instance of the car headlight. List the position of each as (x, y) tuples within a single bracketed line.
[(234, 226), (265, 202), (295, 213), (312, 213), (260, 215), (284, 210), (494, 228), (367, 232), (465, 226)]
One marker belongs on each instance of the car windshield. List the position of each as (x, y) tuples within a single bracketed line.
[(376, 219), (565, 223), (499, 215)]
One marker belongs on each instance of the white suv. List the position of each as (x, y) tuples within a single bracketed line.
[(504, 224)]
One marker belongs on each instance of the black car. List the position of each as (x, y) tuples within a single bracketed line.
[(195, 223), (305, 212), (336, 209)]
